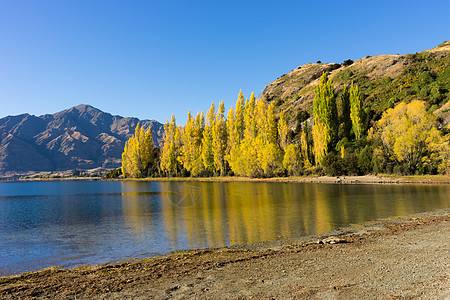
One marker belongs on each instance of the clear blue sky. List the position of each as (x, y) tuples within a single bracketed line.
[(153, 58)]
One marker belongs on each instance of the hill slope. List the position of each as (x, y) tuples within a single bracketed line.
[(383, 79), (81, 137)]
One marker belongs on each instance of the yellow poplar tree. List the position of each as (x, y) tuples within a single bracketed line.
[(249, 117), (291, 160), (191, 151), (232, 139), (170, 149), (269, 154), (138, 155), (129, 159), (207, 142), (247, 161), (239, 116), (219, 140), (283, 131), (235, 131), (185, 157)]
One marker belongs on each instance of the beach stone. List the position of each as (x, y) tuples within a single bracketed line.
[(332, 240)]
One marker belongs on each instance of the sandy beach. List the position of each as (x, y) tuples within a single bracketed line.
[(401, 258)]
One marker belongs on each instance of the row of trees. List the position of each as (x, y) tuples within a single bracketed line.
[(332, 128), (250, 141), (253, 140), (405, 140)]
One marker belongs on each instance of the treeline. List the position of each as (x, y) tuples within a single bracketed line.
[(253, 140)]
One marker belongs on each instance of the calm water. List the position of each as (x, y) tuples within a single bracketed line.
[(71, 223)]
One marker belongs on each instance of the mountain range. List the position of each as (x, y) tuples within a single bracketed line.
[(81, 137)]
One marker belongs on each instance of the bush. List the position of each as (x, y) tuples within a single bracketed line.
[(365, 160), (350, 164), (347, 62), (115, 173), (333, 165)]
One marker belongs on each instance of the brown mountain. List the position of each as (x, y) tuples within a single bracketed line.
[(384, 81), (81, 137)]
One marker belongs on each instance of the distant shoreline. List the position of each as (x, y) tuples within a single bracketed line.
[(365, 179)]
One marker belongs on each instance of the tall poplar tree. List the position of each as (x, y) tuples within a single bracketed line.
[(325, 118), (191, 148), (269, 153), (232, 139), (219, 140), (356, 113), (247, 160), (283, 131), (239, 116), (305, 146), (207, 141), (249, 130), (235, 130), (129, 158), (292, 160), (344, 113), (170, 149)]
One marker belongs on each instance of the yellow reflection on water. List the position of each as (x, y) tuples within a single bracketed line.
[(214, 214), (136, 207)]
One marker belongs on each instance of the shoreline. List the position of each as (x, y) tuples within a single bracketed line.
[(364, 179), (396, 257)]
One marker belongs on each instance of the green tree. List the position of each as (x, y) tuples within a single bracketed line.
[(356, 112), (325, 118), (305, 146), (344, 113)]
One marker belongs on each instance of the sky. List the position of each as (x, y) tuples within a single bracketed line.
[(150, 59)]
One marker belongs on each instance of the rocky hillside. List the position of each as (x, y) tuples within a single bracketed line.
[(384, 81), (81, 137)]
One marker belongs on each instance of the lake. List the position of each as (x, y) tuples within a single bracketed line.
[(68, 223)]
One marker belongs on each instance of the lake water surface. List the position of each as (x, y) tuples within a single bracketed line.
[(69, 223)]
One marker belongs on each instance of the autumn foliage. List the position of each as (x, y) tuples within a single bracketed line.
[(254, 139)]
